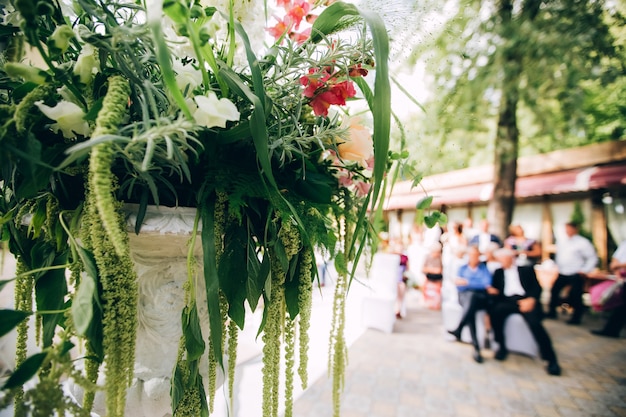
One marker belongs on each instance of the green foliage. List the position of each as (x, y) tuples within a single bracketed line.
[(10, 319), (578, 218), (570, 90)]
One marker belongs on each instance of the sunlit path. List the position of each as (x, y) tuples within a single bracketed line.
[(417, 371)]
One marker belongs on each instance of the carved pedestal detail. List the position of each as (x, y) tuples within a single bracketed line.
[(159, 252)]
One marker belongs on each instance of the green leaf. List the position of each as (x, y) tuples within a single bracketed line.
[(176, 11), (25, 371), (279, 250), (164, 59), (381, 106), (9, 319), (424, 203), (83, 304), (177, 387), (86, 307), (336, 17), (5, 282), (258, 127), (233, 271), (35, 172), (50, 292), (257, 276), (92, 115), (416, 180), (194, 343), (253, 62), (340, 263), (292, 287), (314, 187), (22, 90), (432, 219)]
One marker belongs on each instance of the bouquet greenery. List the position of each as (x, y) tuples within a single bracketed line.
[(172, 103)]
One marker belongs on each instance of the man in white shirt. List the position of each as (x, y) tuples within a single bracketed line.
[(575, 258), (516, 290), (484, 237)]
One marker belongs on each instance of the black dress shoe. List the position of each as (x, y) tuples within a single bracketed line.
[(573, 322), (604, 333), (550, 315), (501, 354), (477, 357), (554, 368), (456, 334)]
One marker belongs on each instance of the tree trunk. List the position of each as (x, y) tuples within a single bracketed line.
[(500, 211), (505, 166)]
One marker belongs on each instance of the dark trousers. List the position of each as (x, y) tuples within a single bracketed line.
[(506, 306), (575, 294), (471, 301)]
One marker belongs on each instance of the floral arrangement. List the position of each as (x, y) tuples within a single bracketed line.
[(170, 103)]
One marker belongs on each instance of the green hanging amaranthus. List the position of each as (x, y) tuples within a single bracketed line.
[(24, 286), (109, 241)]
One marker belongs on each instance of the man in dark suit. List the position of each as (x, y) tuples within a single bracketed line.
[(516, 290)]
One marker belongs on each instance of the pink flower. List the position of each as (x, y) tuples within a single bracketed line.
[(300, 37), (298, 11), (284, 3), (362, 188), (344, 177), (280, 28)]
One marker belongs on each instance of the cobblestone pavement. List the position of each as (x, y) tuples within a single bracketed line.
[(418, 371)]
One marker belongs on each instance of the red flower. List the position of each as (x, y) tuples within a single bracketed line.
[(314, 82), (324, 91), (337, 95), (357, 71), (344, 89)]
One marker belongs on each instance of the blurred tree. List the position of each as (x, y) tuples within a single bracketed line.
[(555, 65)]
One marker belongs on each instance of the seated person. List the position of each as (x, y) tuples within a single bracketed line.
[(433, 270), (617, 317), (472, 282), (528, 250), (516, 290)]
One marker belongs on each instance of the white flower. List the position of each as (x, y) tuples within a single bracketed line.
[(359, 146), (68, 116), (9, 16), (246, 13), (61, 37), (212, 111), (86, 64), (186, 75)]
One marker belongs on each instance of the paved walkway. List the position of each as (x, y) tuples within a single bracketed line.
[(418, 371)]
